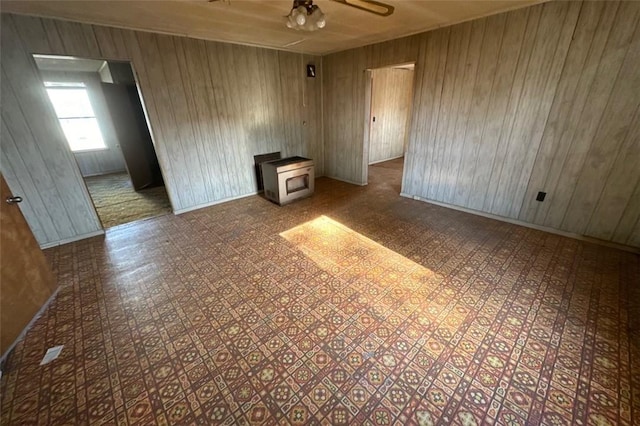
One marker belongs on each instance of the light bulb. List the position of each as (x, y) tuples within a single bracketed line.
[(309, 25), (306, 19), (318, 18)]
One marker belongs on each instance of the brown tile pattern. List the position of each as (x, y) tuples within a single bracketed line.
[(354, 306)]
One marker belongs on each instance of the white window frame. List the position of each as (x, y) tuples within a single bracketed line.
[(54, 85)]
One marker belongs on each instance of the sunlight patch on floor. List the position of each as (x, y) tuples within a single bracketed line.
[(344, 252)]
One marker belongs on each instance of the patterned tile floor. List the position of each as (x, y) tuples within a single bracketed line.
[(354, 306)]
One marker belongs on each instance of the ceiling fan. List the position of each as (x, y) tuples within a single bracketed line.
[(371, 6)]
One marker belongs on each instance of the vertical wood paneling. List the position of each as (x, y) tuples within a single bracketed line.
[(466, 82), (553, 111), (312, 130), (106, 43), (564, 114), (227, 65), (621, 81), (74, 39), (14, 168), (481, 95), (178, 113), (224, 124), (149, 97), (33, 32), (340, 125), (513, 102), (538, 99), (458, 42), (392, 94), (25, 156), (440, 114), (344, 91), (425, 121), (539, 87), (30, 120), (436, 51), (291, 115), (617, 195), (198, 96), (211, 106), (496, 113), (53, 37), (630, 219), (593, 93)]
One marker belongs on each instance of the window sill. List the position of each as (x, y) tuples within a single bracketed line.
[(82, 151)]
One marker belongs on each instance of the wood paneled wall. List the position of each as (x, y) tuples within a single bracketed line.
[(97, 162), (36, 161), (391, 99), (544, 98), (344, 92), (211, 106)]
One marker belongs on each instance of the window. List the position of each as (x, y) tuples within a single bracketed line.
[(79, 123)]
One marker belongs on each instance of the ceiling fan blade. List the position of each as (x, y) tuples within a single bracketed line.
[(371, 6)]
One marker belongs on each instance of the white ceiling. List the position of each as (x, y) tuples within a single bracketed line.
[(67, 63), (262, 22)]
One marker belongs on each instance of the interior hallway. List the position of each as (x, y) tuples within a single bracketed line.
[(387, 176), (353, 305)]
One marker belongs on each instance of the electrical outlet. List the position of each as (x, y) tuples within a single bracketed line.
[(541, 196)]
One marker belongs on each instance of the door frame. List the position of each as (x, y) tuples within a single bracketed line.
[(146, 116), (368, 96)]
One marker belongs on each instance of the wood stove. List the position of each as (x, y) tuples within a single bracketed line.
[(288, 179)]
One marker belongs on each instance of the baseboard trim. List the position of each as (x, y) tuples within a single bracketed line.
[(527, 225), (388, 159), (108, 172), (213, 203), (346, 181), (28, 326), (72, 239)]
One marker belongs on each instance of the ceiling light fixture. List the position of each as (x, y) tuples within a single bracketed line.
[(305, 16)]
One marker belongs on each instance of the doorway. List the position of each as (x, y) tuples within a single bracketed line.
[(390, 99), (101, 114)]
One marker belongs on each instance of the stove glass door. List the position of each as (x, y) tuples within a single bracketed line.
[(297, 183)]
